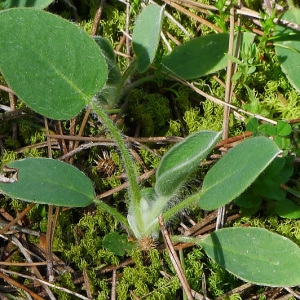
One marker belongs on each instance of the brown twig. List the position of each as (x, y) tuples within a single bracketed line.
[(20, 286), (45, 283), (126, 184), (15, 220), (194, 293), (87, 284), (174, 258), (97, 17), (193, 16), (114, 284)]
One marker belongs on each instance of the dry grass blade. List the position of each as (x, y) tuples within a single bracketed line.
[(15, 221), (20, 286), (46, 283), (174, 258)]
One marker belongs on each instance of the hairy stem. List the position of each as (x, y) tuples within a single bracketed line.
[(134, 191), (112, 211)]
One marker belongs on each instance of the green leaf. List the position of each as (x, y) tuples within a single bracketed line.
[(110, 93), (146, 35), (282, 142), (39, 4), (201, 56), (269, 190), (267, 129), (50, 63), (287, 209), (236, 170), (252, 125), (236, 76), (287, 47), (292, 191), (270, 130), (181, 160), (114, 73), (49, 181), (116, 243), (255, 255), (283, 128), (248, 199)]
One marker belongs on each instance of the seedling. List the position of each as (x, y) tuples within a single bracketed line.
[(58, 84)]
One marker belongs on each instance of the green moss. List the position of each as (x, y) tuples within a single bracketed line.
[(174, 129), (194, 268), (66, 281), (7, 157), (144, 278), (287, 227), (276, 98), (149, 159), (151, 111), (219, 281), (210, 119)]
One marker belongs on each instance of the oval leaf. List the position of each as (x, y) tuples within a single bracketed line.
[(118, 244), (255, 255), (49, 181), (283, 128), (201, 56), (236, 170), (114, 73), (287, 47), (50, 63), (146, 34), (39, 4), (110, 93), (179, 162), (287, 209)]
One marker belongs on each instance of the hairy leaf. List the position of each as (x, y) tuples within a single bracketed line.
[(236, 170), (179, 162), (146, 34)]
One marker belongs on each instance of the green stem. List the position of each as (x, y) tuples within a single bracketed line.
[(177, 208), (139, 82), (181, 206), (112, 211), (291, 4), (134, 191), (184, 239)]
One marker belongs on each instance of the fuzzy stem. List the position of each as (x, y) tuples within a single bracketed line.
[(112, 211), (134, 191), (177, 208), (181, 206), (139, 82)]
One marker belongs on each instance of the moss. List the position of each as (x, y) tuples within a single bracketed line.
[(210, 119), (7, 157), (276, 98), (287, 227), (152, 111), (149, 159), (66, 281), (174, 128), (144, 278), (194, 268), (219, 281)]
